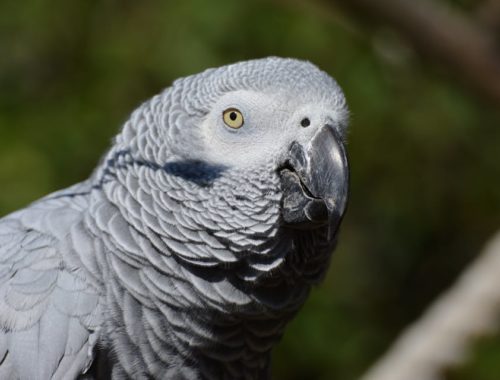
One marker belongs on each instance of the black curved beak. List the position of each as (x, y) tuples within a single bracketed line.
[(315, 182)]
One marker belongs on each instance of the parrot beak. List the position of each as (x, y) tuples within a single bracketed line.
[(315, 182)]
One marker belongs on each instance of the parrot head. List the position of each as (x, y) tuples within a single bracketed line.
[(291, 117), (259, 147), (295, 126)]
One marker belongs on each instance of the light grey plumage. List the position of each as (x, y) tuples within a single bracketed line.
[(174, 260)]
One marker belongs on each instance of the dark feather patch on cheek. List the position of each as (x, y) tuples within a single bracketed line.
[(198, 172)]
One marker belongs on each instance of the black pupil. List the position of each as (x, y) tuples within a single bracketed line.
[(305, 122), (233, 116)]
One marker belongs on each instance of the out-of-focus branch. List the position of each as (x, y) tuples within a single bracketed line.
[(488, 15), (441, 33), (436, 30), (441, 337)]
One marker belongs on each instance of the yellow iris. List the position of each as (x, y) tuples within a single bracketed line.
[(233, 118)]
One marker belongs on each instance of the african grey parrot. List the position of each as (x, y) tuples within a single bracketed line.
[(193, 243)]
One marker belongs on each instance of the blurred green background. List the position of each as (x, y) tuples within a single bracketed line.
[(424, 149)]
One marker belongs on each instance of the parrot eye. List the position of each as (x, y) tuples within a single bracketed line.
[(233, 118)]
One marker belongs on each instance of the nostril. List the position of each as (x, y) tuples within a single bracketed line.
[(305, 122)]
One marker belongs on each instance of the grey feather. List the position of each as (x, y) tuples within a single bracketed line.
[(174, 259)]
